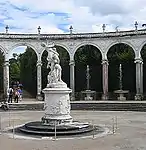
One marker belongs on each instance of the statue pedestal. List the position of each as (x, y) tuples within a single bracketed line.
[(57, 105)]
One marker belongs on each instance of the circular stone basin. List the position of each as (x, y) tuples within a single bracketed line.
[(121, 91), (38, 128)]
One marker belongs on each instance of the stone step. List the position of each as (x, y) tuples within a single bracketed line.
[(99, 106)]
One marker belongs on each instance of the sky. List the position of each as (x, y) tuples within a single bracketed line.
[(56, 16)]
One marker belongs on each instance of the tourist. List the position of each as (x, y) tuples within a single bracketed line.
[(16, 95), (10, 94), (20, 93)]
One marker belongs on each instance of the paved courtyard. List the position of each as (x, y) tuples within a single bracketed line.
[(130, 133)]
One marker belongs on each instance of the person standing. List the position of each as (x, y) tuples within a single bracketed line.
[(20, 93), (10, 94), (16, 95)]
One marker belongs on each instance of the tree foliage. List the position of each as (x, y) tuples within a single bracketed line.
[(28, 74), (120, 53), (88, 54), (14, 69)]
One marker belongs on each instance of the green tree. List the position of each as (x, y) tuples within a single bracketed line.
[(14, 72), (28, 73), (14, 68), (88, 54)]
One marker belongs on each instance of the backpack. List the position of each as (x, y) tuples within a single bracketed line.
[(11, 92)]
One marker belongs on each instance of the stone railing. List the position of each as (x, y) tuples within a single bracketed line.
[(73, 36)]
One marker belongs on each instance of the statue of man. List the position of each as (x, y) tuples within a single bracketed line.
[(54, 75)]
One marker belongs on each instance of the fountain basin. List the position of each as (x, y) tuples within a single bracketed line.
[(121, 94), (89, 95), (39, 128)]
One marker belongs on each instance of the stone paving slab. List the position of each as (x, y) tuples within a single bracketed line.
[(130, 133)]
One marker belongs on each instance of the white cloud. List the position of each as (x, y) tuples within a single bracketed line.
[(85, 16)]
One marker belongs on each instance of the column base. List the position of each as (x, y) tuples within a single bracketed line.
[(138, 97), (104, 97)]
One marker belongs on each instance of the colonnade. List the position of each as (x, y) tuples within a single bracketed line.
[(139, 78), (105, 64)]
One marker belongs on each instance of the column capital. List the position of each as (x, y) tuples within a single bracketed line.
[(105, 61), (72, 62), (138, 60), (39, 63)]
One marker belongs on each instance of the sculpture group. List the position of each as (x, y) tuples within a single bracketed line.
[(54, 76)]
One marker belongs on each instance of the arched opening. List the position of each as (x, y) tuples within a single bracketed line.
[(143, 55), (88, 55), (64, 62), (1, 74), (22, 68), (121, 54)]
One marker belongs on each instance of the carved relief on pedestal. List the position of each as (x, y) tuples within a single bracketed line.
[(55, 109), (68, 107)]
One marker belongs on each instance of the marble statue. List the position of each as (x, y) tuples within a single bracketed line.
[(54, 76), (56, 93)]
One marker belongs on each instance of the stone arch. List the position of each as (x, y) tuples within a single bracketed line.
[(87, 43), (125, 56), (143, 66), (122, 42), (22, 44), (28, 80), (92, 57)]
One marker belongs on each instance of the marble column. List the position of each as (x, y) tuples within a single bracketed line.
[(39, 80), (72, 79), (139, 79), (141, 71), (105, 79), (6, 76)]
